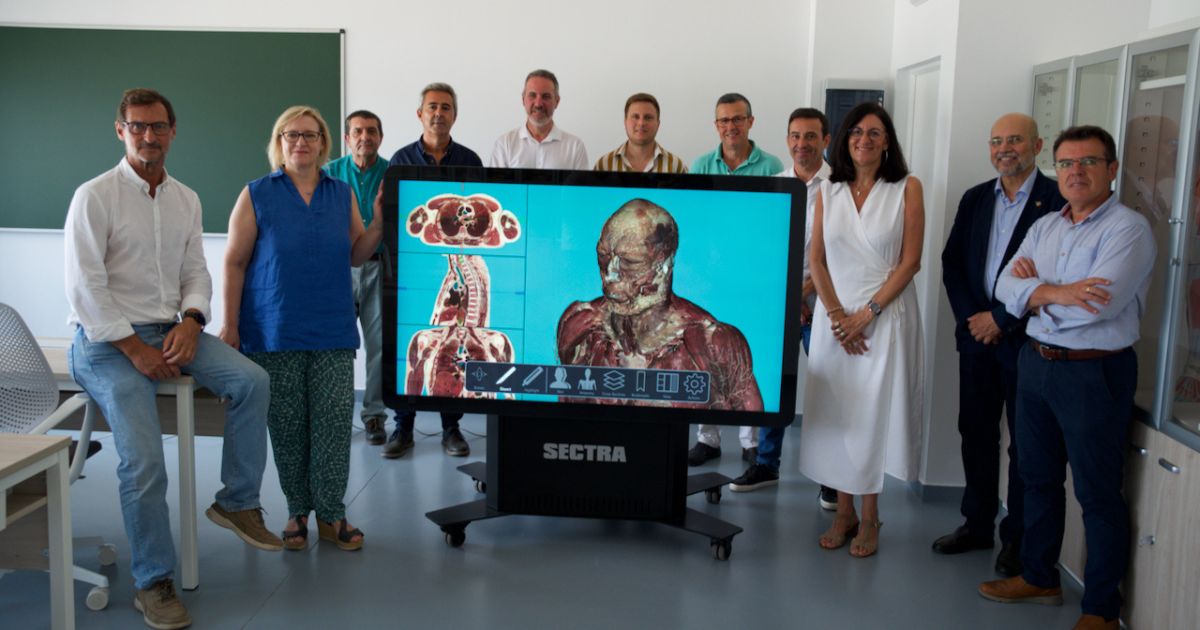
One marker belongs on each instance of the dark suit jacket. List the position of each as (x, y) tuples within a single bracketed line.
[(965, 257)]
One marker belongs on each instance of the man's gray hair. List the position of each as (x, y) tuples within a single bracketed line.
[(544, 74), (734, 97), (440, 87)]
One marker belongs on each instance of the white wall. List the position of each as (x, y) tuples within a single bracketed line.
[(849, 40), (687, 53)]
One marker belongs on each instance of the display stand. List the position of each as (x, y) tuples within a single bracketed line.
[(614, 469)]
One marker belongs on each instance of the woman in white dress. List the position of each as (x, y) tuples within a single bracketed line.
[(862, 407)]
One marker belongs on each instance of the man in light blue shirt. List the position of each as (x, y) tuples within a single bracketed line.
[(737, 154), (364, 171), (1084, 272)]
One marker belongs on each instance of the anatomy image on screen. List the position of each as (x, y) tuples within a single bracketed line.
[(639, 322), (472, 221), (438, 356)]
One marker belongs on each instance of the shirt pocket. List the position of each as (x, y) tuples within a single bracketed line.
[(1080, 261)]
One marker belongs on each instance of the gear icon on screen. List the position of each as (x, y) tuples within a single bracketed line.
[(693, 384)]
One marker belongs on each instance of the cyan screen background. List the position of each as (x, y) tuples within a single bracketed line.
[(732, 262)]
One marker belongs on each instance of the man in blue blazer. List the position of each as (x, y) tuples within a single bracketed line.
[(991, 223)]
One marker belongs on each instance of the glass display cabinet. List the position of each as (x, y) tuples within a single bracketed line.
[(1099, 86), (1051, 84)]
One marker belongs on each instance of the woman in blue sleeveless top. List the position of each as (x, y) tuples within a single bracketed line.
[(293, 236)]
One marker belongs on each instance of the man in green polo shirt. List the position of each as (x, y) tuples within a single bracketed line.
[(737, 154), (363, 170)]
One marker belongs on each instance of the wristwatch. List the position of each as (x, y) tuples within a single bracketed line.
[(876, 309), (193, 314)]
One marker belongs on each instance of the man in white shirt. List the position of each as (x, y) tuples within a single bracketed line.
[(139, 292), (807, 138), (539, 143)]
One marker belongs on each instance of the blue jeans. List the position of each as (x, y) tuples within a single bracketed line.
[(126, 398), (770, 439), (1076, 413)]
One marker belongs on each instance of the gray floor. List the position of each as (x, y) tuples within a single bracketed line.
[(530, 572)]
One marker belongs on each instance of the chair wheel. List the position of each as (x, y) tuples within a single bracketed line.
[(713, 495), (455, 537), (107, 554), (480, 486), (721, 549), (97, 598)]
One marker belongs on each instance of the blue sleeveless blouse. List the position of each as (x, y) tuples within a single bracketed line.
[(297, 294)]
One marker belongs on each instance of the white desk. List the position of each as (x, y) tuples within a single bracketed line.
[(182, 389), (21, 458)]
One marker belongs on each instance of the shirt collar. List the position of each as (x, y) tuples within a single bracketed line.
[(131, 176), (658, 150), (1022, 192), (754, 156), (420, 145), (821, 175), (1095, 214), (554, 135)]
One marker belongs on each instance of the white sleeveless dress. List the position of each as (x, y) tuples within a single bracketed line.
[(862, 414)]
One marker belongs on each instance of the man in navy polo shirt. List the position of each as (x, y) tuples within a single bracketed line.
[(435, 147)]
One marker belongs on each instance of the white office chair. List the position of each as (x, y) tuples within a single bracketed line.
[(29, 404)]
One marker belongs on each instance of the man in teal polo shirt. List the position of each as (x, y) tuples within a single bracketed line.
[(737, 154), (363, 170)]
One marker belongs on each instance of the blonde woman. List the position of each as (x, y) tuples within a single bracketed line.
[(293, 236)]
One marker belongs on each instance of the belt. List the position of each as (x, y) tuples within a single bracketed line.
[(1066, 354)]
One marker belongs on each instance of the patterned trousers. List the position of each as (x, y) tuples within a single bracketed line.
[(312, 403)]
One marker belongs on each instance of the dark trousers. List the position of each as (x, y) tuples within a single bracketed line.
[(986, 389), (407, 419), (1076, 412)]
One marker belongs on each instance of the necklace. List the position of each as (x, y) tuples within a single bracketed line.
[(860, 191)]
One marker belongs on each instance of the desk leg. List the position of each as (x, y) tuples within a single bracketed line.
[(186, 425), (62, 581)]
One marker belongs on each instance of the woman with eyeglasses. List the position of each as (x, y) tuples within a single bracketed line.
[(863, 396), (293, 236)]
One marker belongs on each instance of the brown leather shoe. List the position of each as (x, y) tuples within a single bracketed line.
[(1015, 590), (1096, 622)]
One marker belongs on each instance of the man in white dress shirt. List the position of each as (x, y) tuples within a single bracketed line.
[(539, 143), (139, 292)]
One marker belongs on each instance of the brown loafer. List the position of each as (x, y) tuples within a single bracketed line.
[(1015, 590), (1096, 622)]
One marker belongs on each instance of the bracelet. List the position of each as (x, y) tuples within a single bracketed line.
[(835, 310)]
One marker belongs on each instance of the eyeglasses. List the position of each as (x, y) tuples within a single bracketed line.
[(874, 134), (294, 136), (1085, 162), (139, 128), (998, 141), (735, 120)]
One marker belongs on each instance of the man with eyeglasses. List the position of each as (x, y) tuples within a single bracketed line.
[(1082, 275), (992, 220), (539, 143), (139, 291), (807, 138), (363, 171), (437, 112), (641, 152), (737, 154)]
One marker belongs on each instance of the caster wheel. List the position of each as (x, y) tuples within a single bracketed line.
[(721, 549), (456, 537), (97, 598), (480, 486), (107, 554), (713, 496)]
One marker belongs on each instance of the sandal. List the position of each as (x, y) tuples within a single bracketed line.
[(859, 547), (296, 539), (342, 537), (835, 537)]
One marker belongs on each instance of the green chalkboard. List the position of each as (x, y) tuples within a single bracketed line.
[(59, 90)]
